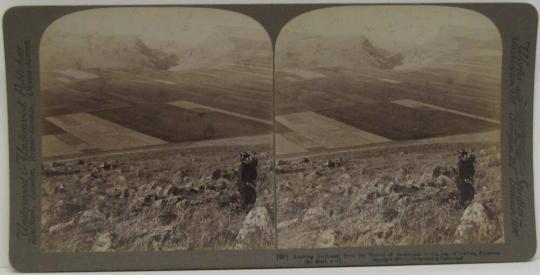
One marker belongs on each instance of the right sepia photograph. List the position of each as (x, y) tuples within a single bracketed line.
[(387, 128)]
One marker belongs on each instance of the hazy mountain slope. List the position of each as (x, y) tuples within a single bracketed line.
[(294, 50), (223, 45)]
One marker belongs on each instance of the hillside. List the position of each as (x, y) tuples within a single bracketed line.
[(169, 200), (390, 196)]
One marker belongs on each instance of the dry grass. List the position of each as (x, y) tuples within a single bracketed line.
[(390, 198), (154, 201)]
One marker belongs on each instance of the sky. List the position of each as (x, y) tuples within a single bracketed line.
[(392, 24), (150, 24), (386, 26)]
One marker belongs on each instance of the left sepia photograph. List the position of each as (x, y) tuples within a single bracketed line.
[(156, 131)]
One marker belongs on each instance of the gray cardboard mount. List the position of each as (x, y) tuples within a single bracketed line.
[(23, 28)]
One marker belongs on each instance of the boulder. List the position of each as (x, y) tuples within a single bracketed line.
[(478, 224), (257, 230)]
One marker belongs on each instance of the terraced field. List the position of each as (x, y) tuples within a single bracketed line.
[(133, 106)]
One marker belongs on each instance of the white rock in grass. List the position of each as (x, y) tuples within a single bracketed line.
[(477, 225), (103, 243), (326, 239), (257, 230)]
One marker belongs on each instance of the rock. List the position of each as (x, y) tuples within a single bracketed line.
[(285, 224), (105, 166), (443, 180), (326, 239), (86, 179), (312, 176), (478, 224), (103, 243), (60, 227), (443, 170), (333, 163), (120, 180), (91, 217), (178, 177), (256, 231), (314, 213), (220, 184), (343, 184), (384, 231), (406, 188), (61, 188)]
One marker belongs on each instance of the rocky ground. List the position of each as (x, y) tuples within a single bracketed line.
[(155, 201), (178, 200), (398, 196)]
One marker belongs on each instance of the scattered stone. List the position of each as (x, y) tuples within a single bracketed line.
[(61, 188), (222, 184), (384, 231), (90, 217), (343, 184), (87, 178), (443, 180), (326, 239), (120, 180), (103, 243), (314, 213), (285, 224), (256, 231), (334, 163), (407, 188), (443, 170), (178, 177), (60, 227), (478, 224), (105, 166)]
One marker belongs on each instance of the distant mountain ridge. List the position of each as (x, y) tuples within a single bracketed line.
[(451, 44), (311, 51)]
